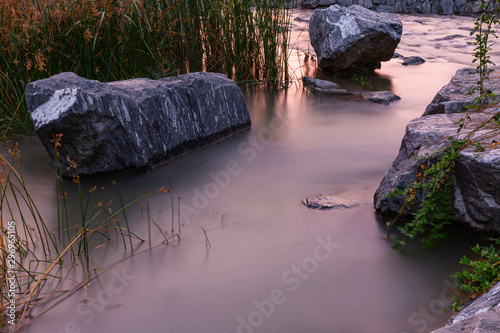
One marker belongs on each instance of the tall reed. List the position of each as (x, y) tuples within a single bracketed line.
[(111, 40), (31, 256)]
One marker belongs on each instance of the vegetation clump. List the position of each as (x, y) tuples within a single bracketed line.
[(111, 40), (38, 265)]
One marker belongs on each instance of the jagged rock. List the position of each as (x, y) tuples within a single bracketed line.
[(135, 123), (411, 61), (476, 191), (327, 202), (381, 97), (481, 316), (353, 36), (455, 96)]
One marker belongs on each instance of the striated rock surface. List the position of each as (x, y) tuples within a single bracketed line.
[(135, 123), (481, 316), (353, 37), (455, 96)]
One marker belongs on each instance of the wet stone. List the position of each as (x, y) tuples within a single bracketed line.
[(317, 83), (411, 61), (327, 202), (381, 97)]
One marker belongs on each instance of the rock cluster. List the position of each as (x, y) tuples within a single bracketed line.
[(132, 124), (443, 7), (476, 190)]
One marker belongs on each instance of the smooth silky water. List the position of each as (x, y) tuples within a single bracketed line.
[(273, 264)]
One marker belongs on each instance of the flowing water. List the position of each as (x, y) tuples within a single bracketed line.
[(268, 263)]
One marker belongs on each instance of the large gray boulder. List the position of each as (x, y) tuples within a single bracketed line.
[(476, 190), (353, 37), (132, 124)]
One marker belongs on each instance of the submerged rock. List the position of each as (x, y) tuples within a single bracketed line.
[(327, 202), (411, 61), (353, 37), (381, 97), (317, 83), (476, 190), (323, 86), (135, 123)]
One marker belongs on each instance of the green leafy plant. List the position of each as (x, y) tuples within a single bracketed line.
[(362, 80), (483, 31), (435, 211), (482, 273)]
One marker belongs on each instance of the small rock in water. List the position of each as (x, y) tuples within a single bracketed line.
[(323, 86), (397, 55), (326, 202), (382, 97), (317, 83), (409, 61)]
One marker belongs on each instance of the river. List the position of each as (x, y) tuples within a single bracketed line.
[(268, 263)]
